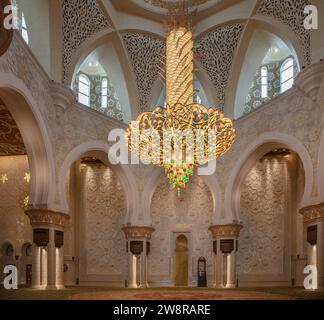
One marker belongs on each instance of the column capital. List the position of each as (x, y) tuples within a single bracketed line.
[(313, 212), (41, 217), (225, 230), (138, 232)]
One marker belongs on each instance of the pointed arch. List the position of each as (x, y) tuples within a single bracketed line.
[(253, 153)]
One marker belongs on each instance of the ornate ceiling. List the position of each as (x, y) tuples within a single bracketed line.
[(11, 142), (156, 9)]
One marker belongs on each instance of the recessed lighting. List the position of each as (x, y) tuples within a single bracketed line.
[(97, 64), (276, 50)]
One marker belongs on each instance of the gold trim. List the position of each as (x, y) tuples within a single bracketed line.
[(313, 212), (45, 216), (138, 232), (228, 230)]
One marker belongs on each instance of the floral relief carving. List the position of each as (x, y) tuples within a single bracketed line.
[(137, 232), (19, 62), (11, 142), (230, 230), (15, 225), (104, 214), (146, 53), (263, 208), (217, 49), (291, 13), (81, 19), (43, 216), (167, 212), (312, 213)]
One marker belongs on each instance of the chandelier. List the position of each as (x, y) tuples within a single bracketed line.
[(183, 134)]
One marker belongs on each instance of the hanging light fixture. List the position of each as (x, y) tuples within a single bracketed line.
[(183, 134)]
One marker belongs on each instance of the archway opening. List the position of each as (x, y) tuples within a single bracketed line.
[(15, 181), (271, 246), (98, 210)]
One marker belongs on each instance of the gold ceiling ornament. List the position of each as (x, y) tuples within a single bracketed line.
[(183, 134), (175, 5), (27, 177), (4, 178)]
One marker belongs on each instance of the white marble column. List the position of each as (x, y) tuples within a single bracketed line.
[(43, 268), (143, 277), (132, 270), (225, 262), (231, 270), (59, 268), (46, 271), (36, 267), (137, 265), (51, 261)]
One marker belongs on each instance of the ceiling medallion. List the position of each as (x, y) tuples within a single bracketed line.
[(183, 134)]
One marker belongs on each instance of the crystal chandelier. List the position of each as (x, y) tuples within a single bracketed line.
[(183, 134)]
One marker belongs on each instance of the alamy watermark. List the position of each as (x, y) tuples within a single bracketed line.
[(10, 281), (311, 20)]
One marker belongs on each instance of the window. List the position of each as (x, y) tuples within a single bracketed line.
[(264, 82), (198, 99), (104, 93), (24, 31), (84, 90), (287, 75)]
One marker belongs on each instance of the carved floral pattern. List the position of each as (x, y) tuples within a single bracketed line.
[(136, 232), (11, 142), (263, 210), (312, 213), (168, 212), (81, 19), (15, 225), (230, 230), (43, 216), (217, 49), (290, 12), (146, 53), (104, 214)]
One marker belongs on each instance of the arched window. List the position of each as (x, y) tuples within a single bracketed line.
[(104, 93), (9, 250), (29, 250), (23, 29), (264, 82), (84, 90), (198, 99), (287, 75)]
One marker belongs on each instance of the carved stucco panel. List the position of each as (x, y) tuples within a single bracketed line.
[(104, 214), (167, 212)]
